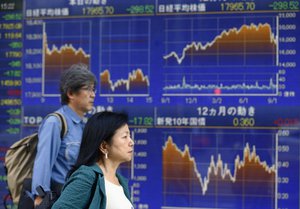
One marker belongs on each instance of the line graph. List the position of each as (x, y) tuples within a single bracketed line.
[(213, 175), (136, 84), (64, 44), (221, 84), (215, 56), (124, 58), (247, 42)]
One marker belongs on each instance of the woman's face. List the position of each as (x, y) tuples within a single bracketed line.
[(121, 148)]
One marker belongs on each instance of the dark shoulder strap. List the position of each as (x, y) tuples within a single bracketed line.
[(93, 190), (64, 126)]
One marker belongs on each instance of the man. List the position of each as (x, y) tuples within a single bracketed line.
[(56, 156)]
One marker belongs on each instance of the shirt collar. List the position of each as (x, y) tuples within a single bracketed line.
[(73, 115), (96, 168)]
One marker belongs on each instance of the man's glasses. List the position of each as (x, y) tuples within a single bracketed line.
[(90, 89)]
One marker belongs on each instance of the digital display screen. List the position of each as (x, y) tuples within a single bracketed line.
[(211, 88)]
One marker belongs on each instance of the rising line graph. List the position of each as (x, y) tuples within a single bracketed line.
[(248, 42)]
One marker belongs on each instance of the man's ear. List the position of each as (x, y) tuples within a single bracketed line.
[(70, 94)]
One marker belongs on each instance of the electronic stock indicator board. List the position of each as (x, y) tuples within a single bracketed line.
[(10, 80), (211, 88)]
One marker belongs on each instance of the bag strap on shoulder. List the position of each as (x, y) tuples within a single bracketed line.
[(64, 126)]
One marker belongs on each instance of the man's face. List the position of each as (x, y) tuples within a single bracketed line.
[(83, 100)]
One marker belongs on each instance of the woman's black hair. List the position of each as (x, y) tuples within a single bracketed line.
[(100, 127)]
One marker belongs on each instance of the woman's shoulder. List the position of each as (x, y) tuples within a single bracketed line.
[(87, 170), (84, 175), (84, 169)]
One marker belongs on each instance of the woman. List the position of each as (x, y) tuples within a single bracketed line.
[(94, 181)]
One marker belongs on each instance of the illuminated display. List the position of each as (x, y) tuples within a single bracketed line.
[(11, 27), (211, 88), (242, 46), (64, 44), (136, 83), (250, 177)]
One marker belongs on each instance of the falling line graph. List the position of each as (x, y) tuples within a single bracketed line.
[(214, 168), (56, 59), (246, 178)]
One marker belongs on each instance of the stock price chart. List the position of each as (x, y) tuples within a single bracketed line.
[(211, 88)]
